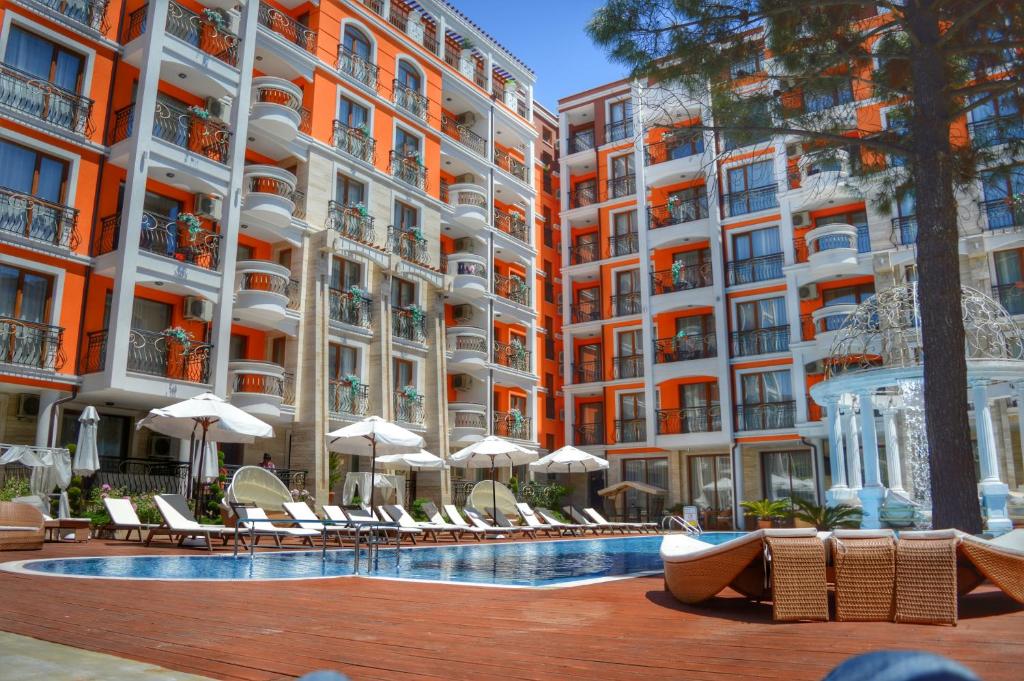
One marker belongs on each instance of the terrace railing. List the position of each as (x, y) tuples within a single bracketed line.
[(508, 424), (408, 169), (350, 308), (511, 165), (581, 141), (590, 371), (630, 430), (347, 398), (752, 270), (766, 415), (91, 14), (685, 347), (512, 356), (703, 419), (31, 344), (193, 29), (355, 142), (408, 325), (677, 212), (512, 288), (463, 134), (628, 366), (154, 353), (681, 144), (408, 245), (405, 97), (363, 70), (682, 279), (160, 235), (512, 224), (350, 221), (287, 27), (42, 221), (41, 99), (760, 341), (751, 200), (623, 244), (409, 409)]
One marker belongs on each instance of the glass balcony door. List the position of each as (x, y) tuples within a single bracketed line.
[(711, 490)]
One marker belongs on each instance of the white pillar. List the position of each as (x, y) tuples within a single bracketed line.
[(892, 450), (872, 494), (839, 489), (47, 403), (853, 466), (993, 491)]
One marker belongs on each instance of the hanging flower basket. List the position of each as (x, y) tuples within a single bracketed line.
[(410, 394), (355, 291), (192, 223), (199, 112), (418, 233), (352, 381), (518, 349), (181, 336), (417, 314)]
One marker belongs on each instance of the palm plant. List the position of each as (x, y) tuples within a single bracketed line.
[(826, 517), (767, 509)]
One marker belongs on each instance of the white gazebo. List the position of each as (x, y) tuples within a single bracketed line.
[(876, 364)]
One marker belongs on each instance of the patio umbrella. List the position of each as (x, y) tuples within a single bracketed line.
[(489, 453), (219, 421), (567, 459), (421, 460), (87, 458), (371, 436)]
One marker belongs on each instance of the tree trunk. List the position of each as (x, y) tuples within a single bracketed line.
[(953, 478)]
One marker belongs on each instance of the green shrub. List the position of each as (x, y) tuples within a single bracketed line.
[(826, 518), (417, 512), (13, 488), (767, 509)]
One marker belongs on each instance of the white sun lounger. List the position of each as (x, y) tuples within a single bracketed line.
[(123, 517), (430, 530), (436, 518), (583, 520), (478, 520), (300, 510), (549, 517), (249, 518), (364, 516), (178, 525), (531, 518), (639, 527), (482, 526)]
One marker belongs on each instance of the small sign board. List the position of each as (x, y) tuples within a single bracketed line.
[(690, 514)]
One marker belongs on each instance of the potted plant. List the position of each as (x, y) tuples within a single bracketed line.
[(826, 518), (766, 510), (199, 112)]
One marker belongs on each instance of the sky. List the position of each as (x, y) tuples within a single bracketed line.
[(548, 36)]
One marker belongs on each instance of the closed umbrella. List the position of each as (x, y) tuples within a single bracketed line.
[(491, 452), (371, 436), (87, 457)]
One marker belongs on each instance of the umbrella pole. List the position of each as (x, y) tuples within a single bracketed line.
[(373, 472), (494, 491), (202, 465), (191, 458)]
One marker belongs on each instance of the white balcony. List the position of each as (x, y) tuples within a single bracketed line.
[(268, 204), (469, 276), (468, 422), (827, 322), (824, 181), (262, 294), (257, 387), (832, 252), (469, 204), (467, 348), (276, 109)]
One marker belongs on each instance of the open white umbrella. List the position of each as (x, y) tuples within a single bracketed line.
[(421, 460), (87, 457), (569, 459), (371, 436), (491, 452)]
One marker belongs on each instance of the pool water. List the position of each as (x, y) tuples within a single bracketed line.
[(520, 564)]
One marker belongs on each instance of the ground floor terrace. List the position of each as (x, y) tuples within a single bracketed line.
[(379, 629)]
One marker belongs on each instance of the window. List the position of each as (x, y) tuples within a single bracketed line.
[(624, 237), (518, 403), (403, 293), (828, 97), (748, 65), (767, 401), (694, 339), (622, 181), (629, 361), (653, 472), (789, 475), (627, 292), (403, 373), (355, 42), (622, 166), (769, 386), (28, 171), (406, 143), (620, 120), (997, 121), (352, 114), (406, 217), (44, 59), (756, 244), (24, 295), (698, 395), (1009, 287), (1002, 188), (113, 433), (624, 224), (549, 396), (345, 274), (278, 347), (350, 192), (150, 315), (687, 205), (238, 346), (632, 419), (549, 338), (847, 295), (284, 257), (409, 77), (761, 327), (711, 489), (243, 252), (744, 183), (342, 360)]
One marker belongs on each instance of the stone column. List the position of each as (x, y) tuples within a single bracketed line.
[(839, 489), (853, 466), (47, 403), (872, 494), (994, 492), (892, 450)]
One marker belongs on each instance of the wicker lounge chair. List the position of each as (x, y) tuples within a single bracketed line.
[(696, 571), (123, 517), (926, 577), (865, 567), (797, 568), (21, 527), (1001, 560)]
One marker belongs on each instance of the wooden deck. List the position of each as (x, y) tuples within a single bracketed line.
[(376, 629)]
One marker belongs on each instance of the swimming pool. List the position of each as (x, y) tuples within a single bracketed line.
[(517, 564)]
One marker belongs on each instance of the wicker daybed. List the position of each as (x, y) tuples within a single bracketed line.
[(21, 527), (696, 571)]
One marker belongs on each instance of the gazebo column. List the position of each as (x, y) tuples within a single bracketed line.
[(892, 450), (872, 493), (994, 492), (839, 490), (852, 447)]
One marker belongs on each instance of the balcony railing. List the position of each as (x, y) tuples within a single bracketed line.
[(405, 97), (619, 130), (409, 409), (350, 307), (750, 201), (408, 245), (512, 288), (1010, 296), (750, 270), (408, 325), (179, 127), (363, 70), (350, 221), (623, 244), (760, 341), (512, 224), (621, 186), (1004, 213), (585, 194), (38, 220), (462, 133), (194, 29), (270, 383), (681, 144), (169, 238), (904, 230), (588, 372), (585, 311), (350, 399), (154, 353), (287, 27), (469, 419), (31, 344), (377, 6), (630, 430), (682, 279), (677, 212), (704, 419), (511, 165), (42, 99), (992, 132), (459, 341), (581, 141), (626, 304), (355, 142), (508, 424), (89, 13), (582, 253), (585, 434), (514, 356), (408, 169), (628, 366), (684, 347), (766, 415)]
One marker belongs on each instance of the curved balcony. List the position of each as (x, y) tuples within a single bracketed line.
[(678, 222), (269, 193), (469, 204), (827, 322), (831, 252), (262, 293), (822, 180), (257, 387), (467, 348), (276, 108), (469, 275), (468, 422)]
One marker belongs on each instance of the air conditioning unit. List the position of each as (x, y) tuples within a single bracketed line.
[(198, 309), (808, 293), (28, 406), (462, 382), (801, 219), (208, 206), (465, 178), (467, 119), (160, 447), (219, 109), (462, 313)]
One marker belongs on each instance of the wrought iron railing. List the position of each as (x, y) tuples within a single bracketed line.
[(405, 97), (681, 348), (408, 169), (1004, 213), (509, 424), (268, 282), (588, 434), (627, 366), (682, 278), (514, 356), (377, 6), (512, 288), (617, 187), (38, 220), (630, 430), (350, 308), (270, 93), (623, 244), (751, 270), (590, 371), (583, 253), (626, 304), (154, 353), (347, 398), (462, 133), (581, 141), (260, 384), (180, 127), (703, 419), (680, 144), (288, 396), (89, 13), (408, 245), (350, 221), (584, 194), (287, 27), (294, 293), (199, 31), (904, 230), (618, 130), (512, 224), (161, 235), (992, 132), (585, 311), (469, 419), (751, 200), (766, 415), (363, 70), (144, 476), (677, 212), (408, 324), (471, 269), (511, 165), (39, 98), (31, 344), (464, 342), (760, 341), (355, 142), (292, 478), (408, 408)]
